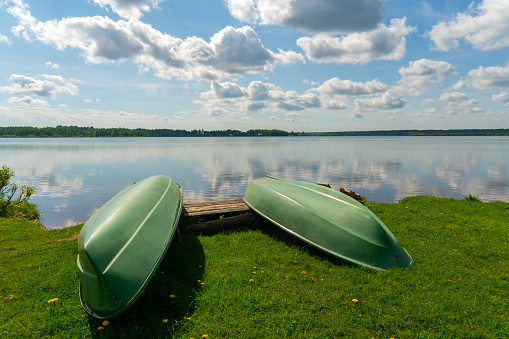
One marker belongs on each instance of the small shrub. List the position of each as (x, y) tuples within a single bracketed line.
[(15, 207), (472, 198)]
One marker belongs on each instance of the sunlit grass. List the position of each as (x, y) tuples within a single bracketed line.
[(258, 282)]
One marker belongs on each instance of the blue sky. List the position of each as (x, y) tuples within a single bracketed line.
[(296, 65)]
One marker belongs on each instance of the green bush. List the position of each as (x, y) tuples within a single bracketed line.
[(15, 207)]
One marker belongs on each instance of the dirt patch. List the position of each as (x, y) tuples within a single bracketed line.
[(69, 238)]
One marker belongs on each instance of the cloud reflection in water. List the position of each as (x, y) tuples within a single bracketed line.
[(74, 177)]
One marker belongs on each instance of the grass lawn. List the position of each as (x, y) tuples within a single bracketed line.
[(258, 282)]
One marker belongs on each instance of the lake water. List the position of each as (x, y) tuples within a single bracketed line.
[(74, 177)]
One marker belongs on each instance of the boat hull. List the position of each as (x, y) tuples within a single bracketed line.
[(123, 243), (328, 220)]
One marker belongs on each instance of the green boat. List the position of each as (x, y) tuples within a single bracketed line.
[(123, 243), (328, 220)]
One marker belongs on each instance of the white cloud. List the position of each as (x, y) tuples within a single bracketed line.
[(318, 16), (383, 43), (258, 91), (52, 65), (486, 27), (387, 101), (454, 97), (21, 84), (102, 40), (490, 77), (4, 38), (28, 101), (335, 86), (257, 96), (428, 101), (421, 73), (501, 97), (129, 9), (335, 104), (227, 90)]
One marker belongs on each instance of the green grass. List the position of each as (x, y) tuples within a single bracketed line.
[(258, 282)]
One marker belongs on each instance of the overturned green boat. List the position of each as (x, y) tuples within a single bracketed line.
[(328, 220), (123, 243)]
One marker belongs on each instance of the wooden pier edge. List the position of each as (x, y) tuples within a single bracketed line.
[(214, 207), (218, 208), (228, 223)]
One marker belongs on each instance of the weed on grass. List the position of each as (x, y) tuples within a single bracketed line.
[(259, 282)]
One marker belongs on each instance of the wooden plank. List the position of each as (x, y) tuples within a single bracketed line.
[(221, 224), (214, 207)]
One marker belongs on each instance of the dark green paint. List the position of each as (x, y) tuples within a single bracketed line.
[(329, 220), (123, 243)]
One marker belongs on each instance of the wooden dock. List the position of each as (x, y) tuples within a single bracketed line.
[(217, 208), (214, 207)]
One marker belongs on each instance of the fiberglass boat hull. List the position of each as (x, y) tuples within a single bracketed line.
[(329, 220), (123, 243)]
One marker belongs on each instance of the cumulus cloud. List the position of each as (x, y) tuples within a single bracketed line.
[(102, 40), (459, 103), (335, 105), (454, 97), (388, 101), (489, 77), (428, 101), (318, 16), (255, 97), (485, 27), (227, 90), (4, 38), (383, 43), (336, 86), (421, 73), (28, 101), (50, 87), (258, 91), (129, 9), (501, 97), (52, 65)]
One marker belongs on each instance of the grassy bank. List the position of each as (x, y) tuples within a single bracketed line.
[(257, 282)]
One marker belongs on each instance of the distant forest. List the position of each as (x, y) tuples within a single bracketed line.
[(75, 131)]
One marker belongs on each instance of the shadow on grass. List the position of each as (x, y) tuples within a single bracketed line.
[(169, 299), (280, 235)]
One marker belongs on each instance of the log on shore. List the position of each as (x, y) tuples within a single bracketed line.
[(228, 223), (214, 207)]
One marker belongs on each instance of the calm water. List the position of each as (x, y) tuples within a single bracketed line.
[(74, 177)]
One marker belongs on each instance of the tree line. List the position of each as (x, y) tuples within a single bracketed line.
[(75, 131)]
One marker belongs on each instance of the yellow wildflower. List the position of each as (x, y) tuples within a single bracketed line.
[(172, 295), (199, 280), (205, 336), (106, 323), (251, 280), (52, 300), (165, 320), (100, 328), (355, 300), (303, 272), (203, 283)]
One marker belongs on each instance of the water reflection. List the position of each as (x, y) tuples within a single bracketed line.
[(74, 177)]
